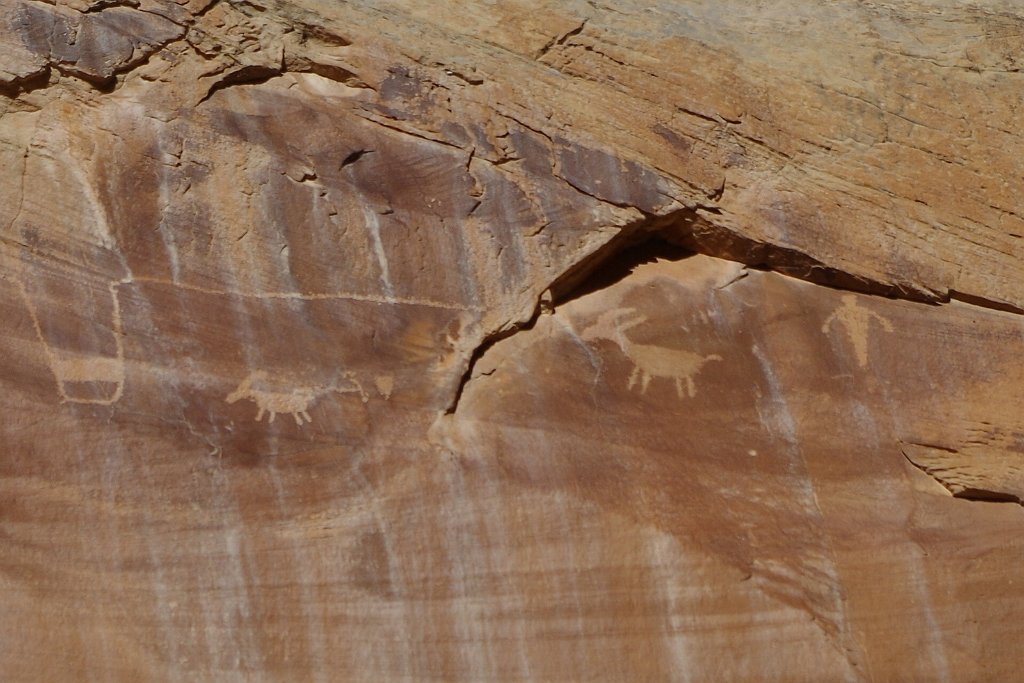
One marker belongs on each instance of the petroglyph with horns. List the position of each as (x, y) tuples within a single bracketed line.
[(649, 361)]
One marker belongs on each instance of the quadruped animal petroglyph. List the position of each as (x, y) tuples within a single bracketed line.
[(649, 361), (273, 396)]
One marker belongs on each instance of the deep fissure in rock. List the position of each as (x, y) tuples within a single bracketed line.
[(689, 230), (676, 235), (684, 234)]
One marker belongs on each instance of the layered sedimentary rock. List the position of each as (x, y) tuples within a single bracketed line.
[(470, 341)]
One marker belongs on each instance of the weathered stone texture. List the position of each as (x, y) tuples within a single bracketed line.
[(507, 341)]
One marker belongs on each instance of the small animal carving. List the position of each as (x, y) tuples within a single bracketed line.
[(270, 398), (649, 361)]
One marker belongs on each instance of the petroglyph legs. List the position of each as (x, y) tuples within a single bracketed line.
[(649, 361), (94, 371), (856, 321), (270, 397), (693, 364)]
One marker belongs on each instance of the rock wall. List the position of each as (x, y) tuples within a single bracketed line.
[(506, 341)]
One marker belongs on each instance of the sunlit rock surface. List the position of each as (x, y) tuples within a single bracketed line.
[(510, 341)]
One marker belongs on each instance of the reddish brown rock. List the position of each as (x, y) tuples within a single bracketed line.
[(548, 341), (747, 429)]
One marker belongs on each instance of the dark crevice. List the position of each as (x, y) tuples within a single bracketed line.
[(691, 233), (252, 74), (104, 84), (331, 72), (687, 232), (482, 348), (560, 40), (986, 496), (258, 74), (983, 302), (584, 276), (22, 86), (354, 157), (107, 4), (622, 263), (932, 446), (963, 492), (698, 234)]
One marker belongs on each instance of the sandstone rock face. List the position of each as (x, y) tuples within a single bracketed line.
[(510, 341)]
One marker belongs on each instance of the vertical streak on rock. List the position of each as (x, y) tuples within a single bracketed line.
[(167, 197), (663, 553), (574, 559), (373, 227), (103, 539), (916, 577), (164, 610), (308, 580), (779, 419), (503, 545), (224, 586), (475, 659), (395, 577), (487, 544), (592, 358)]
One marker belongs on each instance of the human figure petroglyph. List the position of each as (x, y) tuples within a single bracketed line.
[(270, 397), (649, 361), (55, 260), (83, 377), (856, 321)]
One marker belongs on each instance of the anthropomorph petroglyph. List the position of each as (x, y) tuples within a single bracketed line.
[(856, 320), (649, 361), (272, 397), (84, 376)]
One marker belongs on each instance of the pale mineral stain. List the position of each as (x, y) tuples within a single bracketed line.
[(373, 226)]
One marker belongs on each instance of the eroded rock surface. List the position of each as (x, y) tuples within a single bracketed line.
[(550, 341), (728, 420)]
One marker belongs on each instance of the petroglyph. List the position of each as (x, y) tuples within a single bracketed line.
[(385, 385), (84, 377), (856, 321), (103, 375), (313, 296), (88, 369), (273, 398), (649, 361)]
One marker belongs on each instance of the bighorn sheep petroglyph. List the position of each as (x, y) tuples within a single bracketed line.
[(649, 361)]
